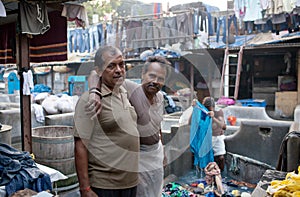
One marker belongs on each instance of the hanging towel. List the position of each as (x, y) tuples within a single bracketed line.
[(28, 82), (201, 136)]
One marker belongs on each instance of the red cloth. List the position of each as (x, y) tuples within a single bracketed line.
[(51, 46), (8, 43)]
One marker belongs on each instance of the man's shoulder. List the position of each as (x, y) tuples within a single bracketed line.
[(160, 96), (130, 84)]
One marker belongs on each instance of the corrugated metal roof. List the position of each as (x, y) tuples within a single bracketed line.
[(261, 40)]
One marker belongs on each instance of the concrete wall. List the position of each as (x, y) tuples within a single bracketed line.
[(177, 150), (255, 147), (243, 113), (259, 140), (12, 117)]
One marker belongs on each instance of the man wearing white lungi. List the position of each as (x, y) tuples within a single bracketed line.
[(149, 106)]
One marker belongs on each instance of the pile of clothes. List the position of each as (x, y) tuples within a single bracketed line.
[(19, 171), (210, 186)]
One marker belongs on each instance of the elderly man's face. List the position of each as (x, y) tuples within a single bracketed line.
[(154, 78), (114, 70)]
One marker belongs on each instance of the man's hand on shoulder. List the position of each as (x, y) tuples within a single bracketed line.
[(93, 106)]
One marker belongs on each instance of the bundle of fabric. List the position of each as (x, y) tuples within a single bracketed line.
[(290, 186), (213, 176), (19, 171)]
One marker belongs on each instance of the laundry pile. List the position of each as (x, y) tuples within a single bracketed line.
[(290, 186), (210, 185), (200, 188), (19, 171)]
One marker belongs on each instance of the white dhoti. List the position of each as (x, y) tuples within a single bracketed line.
[(218, 145), (151, 172)]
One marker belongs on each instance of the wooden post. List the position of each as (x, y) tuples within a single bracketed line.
[(192, 83), (298, 76), (23, 63)]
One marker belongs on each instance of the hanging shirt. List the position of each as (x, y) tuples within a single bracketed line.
[(34, 18), (253, 10), (288, 6)]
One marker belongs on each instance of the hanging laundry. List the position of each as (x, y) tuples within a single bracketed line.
[(8, 43), (34, 18), (28, 82), (77, 13), (51, 46)]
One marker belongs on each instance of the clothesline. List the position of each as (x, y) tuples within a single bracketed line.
[(170, 37), (155, 14)]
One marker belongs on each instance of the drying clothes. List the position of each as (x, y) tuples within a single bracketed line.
[(169, 30), (201, 136), (76, 12), (28, 82), (147, 34), (51, 46), (2, 10), (157, 26), (133, 32), (34, 17), (8, 43), (253, 10), (183, 21)]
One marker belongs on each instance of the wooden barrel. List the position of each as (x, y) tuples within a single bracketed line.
[(5, 136), (53, 146)]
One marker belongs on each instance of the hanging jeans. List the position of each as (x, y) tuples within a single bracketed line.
[(233, 19), (133, 32), (221, 23), (196, 22), (210, 24), (71, 36), (94, 38), (85, 41), (199, 18), (182, 26), (100, 33), (147, 34), (157, 25), (169, 30), (75, 40)]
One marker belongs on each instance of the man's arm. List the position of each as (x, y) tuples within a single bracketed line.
[(81, 164), (93, 106)]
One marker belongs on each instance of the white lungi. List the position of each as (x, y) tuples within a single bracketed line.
[(218, 145), (151, 172)]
